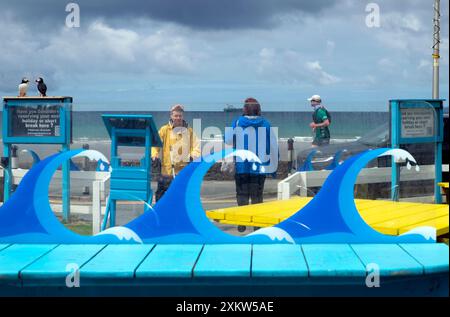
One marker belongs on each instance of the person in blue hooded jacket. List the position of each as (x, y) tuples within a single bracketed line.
[(254, 133)]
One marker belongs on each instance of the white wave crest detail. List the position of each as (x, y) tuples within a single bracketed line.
[(93, 155), (122, 233), (244, 155), (429, 233), (274, 233), (400, 155)]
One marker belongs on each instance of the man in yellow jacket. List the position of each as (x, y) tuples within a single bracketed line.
[(180, 146)]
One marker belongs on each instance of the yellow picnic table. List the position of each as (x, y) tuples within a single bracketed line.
[(444, 186), (385, 216)]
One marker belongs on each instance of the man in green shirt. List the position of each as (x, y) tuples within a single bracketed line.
[(320, 123)]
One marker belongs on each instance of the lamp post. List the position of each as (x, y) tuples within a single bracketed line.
[(436, 42)]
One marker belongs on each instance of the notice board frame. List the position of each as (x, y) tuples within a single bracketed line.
[(64, 139), (65, 110), (395, 107)]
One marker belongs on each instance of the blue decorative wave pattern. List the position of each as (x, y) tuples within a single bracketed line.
[(330, 217)]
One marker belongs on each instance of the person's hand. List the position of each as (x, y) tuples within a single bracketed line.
[(312, 125)]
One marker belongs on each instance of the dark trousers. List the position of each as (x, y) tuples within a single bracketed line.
[(163, 185), (249, 186)]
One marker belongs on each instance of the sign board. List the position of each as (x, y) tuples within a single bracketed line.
[(417, 122), (35, 121), (29, 120), (38, 120)]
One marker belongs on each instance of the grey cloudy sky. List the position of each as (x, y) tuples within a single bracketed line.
[(206, 54)]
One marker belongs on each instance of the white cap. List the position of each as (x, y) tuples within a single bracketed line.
[(315, 98)]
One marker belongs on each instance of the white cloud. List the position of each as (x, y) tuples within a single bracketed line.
[(267, 59), (120, 43), (288, 66), (98, 48), (122, 50), (302, 50), (322, 76), (393, 40), (407, 22), (396, 21)]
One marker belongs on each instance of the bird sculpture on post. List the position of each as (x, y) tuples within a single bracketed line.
[(23, 87), (41, 86)]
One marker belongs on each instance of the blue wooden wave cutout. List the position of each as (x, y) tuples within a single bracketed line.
[(179, 218)]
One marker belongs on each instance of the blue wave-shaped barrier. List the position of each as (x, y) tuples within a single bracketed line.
[(178, 217)]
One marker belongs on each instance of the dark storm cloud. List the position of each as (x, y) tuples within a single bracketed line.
[(198, 14)]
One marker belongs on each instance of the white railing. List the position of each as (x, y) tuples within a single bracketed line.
[(304, 180), (99, 193), (98, 183), (86, 177)]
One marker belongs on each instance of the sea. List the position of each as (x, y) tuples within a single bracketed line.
[(89, 125), (89, 129)]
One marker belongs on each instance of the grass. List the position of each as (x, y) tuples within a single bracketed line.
[(78, 225), (82, 229)]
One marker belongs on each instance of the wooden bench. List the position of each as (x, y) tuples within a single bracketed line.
[(224, 270)]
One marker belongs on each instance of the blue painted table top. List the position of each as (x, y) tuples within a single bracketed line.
[(280, 269)]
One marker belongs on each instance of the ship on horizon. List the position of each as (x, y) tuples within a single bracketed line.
[(231, 108)]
